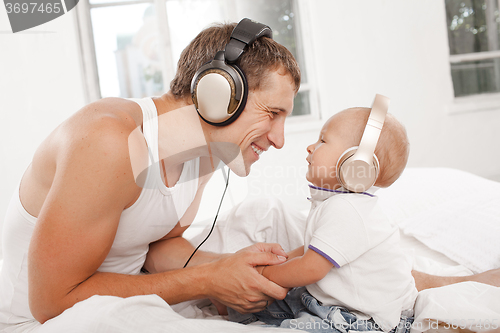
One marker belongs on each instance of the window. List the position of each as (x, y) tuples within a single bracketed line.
[(125, 55), (474, 39)]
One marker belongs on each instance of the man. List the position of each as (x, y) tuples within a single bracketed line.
[(81, 226)]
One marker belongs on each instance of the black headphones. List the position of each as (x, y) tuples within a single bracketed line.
[(219, 88)]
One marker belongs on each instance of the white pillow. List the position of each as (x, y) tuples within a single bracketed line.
[(450, 211)]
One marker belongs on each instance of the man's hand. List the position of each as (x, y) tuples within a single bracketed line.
[(266, 247), (260, 269), (234, 281)]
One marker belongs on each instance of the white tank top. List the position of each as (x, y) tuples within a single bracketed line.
[(151, 217)]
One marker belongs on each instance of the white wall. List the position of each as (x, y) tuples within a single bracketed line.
[(399, 49), (396, 48), (40, 86)]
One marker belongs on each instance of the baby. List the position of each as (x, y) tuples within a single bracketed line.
[(354, 273)]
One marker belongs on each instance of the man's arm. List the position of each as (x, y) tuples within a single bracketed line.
[(79, 217), (299, 271), (172, 253), (77, 223)]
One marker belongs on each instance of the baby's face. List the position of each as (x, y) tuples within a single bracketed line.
[(324, 154)]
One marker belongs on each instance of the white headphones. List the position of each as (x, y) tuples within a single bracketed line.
[(358, 167)]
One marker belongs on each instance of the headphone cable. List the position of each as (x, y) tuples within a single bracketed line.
[(216, 215)]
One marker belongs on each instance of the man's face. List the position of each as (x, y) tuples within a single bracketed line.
[(261, 124)]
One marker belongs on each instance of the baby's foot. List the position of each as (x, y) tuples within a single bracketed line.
[(426, 281), (491, 277)]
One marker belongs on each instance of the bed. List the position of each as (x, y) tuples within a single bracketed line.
[(450, 225)]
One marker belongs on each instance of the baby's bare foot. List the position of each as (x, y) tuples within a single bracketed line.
[(426, 281), (491, 277)]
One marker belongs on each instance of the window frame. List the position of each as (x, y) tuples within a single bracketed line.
[(88, 61), (475, 102)]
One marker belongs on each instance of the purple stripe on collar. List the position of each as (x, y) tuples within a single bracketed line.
[(318, 251), (337, 191)]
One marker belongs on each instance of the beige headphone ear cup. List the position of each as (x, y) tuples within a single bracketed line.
[(213, 90), (354, 174), (341, 161)]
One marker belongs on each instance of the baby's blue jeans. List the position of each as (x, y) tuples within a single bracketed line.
[(300, 310)]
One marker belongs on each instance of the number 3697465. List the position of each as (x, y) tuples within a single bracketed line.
[(33, 7)]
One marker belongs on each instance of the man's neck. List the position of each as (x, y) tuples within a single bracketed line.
[(168, 102), (181, 136)]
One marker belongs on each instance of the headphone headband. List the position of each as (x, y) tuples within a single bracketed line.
[(245, 33), (373, 128)]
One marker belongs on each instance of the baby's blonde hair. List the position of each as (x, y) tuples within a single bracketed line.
[(393, 147)]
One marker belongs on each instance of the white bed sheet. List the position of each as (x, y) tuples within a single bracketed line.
[(435, 209), (451, 211), (470, 305), (149, 313)]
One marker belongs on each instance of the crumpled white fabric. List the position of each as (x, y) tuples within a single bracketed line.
[(266, 219), (468, 305), (149, 313), (451, 211)]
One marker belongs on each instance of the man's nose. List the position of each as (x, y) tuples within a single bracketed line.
[(277, 135)]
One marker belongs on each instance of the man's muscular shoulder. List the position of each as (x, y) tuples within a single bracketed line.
[(99, 134), (95, 137), (98, 129), (115, 112)]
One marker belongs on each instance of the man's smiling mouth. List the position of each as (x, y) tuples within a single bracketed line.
[(256, 149)]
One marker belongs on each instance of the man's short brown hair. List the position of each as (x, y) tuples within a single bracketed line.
[(259, 58)]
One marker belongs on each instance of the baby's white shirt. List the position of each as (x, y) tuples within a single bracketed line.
[(371, 276)]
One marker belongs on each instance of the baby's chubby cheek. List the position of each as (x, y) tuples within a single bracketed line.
[(321, 176)]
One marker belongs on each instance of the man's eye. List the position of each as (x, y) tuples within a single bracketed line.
[(274, 113)]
